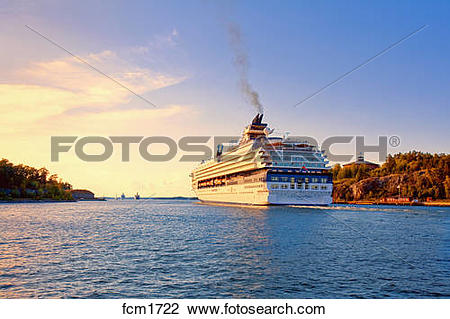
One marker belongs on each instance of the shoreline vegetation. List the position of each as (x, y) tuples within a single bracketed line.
[(22, 182)]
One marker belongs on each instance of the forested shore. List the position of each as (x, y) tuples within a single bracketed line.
[(20, 182)]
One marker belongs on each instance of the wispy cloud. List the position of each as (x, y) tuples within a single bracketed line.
[(157, 43), (70, 74), (56, 87)]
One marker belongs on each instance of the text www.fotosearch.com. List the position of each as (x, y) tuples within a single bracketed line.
[(173, 308)]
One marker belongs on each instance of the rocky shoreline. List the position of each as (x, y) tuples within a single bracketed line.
[(368, 202)]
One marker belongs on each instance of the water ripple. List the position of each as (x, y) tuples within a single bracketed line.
[(180, 249)]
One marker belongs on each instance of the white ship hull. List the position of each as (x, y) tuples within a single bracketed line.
[(260, 195)]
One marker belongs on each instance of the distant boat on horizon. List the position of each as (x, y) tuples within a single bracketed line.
[(137, 196), (122, 196)]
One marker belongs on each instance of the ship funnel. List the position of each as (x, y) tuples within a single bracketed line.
[(255, 119), (258, 119)]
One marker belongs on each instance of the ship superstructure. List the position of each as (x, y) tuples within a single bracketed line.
[(264, 170)]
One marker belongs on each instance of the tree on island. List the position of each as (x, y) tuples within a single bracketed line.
[(22, 181)]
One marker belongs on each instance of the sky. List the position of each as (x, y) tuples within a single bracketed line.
[(177, 54)]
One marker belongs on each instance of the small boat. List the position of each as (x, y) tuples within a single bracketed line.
[(137, 196), (122, 196)]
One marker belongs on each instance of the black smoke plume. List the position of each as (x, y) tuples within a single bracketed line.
[(242, 66)]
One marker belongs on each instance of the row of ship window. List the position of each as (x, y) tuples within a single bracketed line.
[(299, 179), (299, 164), (222, 181), (299, 186)]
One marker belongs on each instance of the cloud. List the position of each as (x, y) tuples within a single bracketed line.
[(58, 88), (93, 87), (158, 42)]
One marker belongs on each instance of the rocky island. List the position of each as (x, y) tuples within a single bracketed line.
[(409, 178)]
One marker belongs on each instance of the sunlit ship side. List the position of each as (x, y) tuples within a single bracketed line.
[(263, 170)]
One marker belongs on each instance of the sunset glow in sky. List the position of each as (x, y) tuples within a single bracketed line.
[(177, 55)]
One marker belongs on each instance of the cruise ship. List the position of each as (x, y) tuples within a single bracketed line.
[(265, 170)]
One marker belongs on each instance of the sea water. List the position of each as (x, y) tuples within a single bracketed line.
[(183, 249)]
